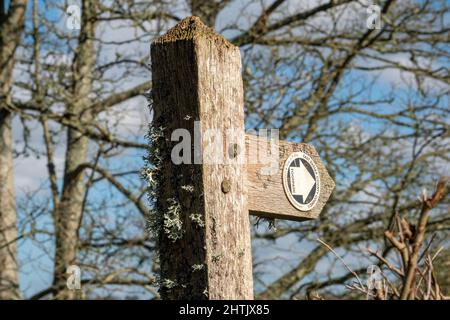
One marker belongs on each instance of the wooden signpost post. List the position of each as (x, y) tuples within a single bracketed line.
[(204, 199)]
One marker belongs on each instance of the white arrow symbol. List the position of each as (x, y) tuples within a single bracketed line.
[(301, 181)]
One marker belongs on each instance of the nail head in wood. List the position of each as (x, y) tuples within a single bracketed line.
[(233, 150)]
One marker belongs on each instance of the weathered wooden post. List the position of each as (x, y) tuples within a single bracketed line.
[(197, 77), (205, 192)]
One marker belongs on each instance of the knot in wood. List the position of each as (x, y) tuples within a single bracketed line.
[(226, 186)]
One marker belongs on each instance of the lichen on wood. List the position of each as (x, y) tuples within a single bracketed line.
[(173, 226), (197, 218)]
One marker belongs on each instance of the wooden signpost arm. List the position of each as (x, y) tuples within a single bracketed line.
[(266, 194)]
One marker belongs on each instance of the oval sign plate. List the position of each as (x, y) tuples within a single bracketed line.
[(301, 181)]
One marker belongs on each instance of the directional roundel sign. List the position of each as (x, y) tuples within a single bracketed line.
[(301, 181)]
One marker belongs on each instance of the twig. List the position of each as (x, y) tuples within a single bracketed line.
[(342, 260), (428, 204), (387, 263)]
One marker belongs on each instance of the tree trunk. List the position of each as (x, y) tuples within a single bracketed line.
[(11, 27), (69, 213), (68, 216), (9, 285)]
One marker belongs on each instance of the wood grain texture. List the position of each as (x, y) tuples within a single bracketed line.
[(266, 196), (197, 77)]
